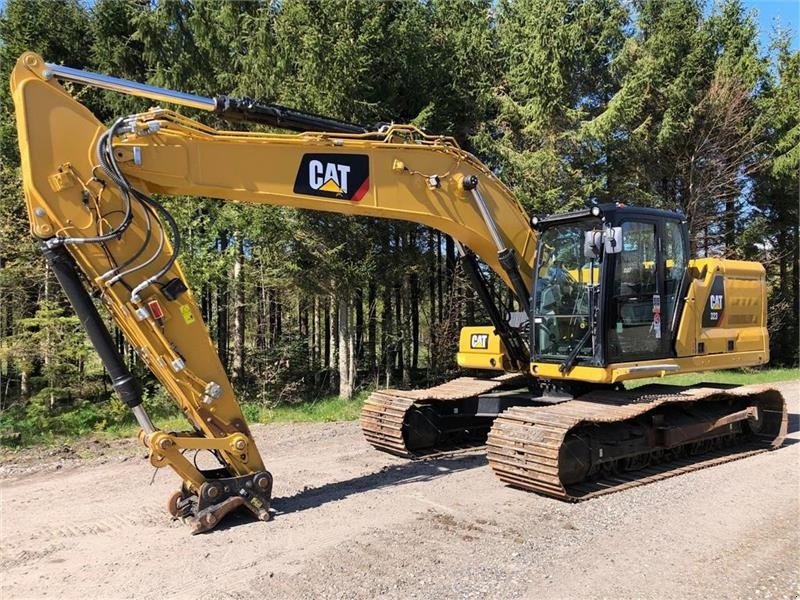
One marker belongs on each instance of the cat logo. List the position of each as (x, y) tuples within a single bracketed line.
[(479, 341), (712, 313), (341, 176), (334, 180)]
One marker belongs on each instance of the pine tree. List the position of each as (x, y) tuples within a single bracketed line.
[(552, 80)]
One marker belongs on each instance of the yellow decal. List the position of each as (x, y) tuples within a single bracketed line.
[(186, 313), (330, 186)]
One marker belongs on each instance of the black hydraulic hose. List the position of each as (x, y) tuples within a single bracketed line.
[(508, 261), (110, 166), (64, 268), (176, 242), (102, 153), (148, 234)]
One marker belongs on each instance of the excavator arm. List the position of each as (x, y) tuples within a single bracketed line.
[(90, 189)]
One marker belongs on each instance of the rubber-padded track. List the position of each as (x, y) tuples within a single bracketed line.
[(524, 442), (383, 414)]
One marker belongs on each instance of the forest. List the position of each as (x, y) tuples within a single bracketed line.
[(663, 103)]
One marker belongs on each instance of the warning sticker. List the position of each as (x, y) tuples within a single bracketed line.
[(186, 313)]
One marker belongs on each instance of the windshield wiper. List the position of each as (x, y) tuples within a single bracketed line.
[(567, 364)]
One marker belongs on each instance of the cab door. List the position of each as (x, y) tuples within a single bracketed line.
[(645, 290), (634, 319)]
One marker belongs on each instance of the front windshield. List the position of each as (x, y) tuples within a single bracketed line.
[(565, 285)]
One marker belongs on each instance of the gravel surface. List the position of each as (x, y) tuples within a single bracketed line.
[(351, 522)]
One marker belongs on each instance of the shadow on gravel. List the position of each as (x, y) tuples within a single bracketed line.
[(409, 472)]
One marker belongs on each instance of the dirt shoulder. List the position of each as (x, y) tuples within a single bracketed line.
[(354, 523)]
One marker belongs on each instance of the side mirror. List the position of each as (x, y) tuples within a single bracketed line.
[(592, 244), (613, 240)]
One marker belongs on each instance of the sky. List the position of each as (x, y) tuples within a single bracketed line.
[(770, 13)]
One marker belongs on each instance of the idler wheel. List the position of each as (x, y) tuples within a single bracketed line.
[(574, 460)]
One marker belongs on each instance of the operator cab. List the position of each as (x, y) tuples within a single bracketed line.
[(607, 286)]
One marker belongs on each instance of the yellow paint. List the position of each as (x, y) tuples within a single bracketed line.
[(481, 348), (330, 186)]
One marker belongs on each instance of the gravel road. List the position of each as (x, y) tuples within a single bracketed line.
[(354, 523)]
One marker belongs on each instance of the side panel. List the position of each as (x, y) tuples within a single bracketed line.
[(725, 310)]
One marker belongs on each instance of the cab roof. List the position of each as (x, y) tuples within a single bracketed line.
[(611, 211)]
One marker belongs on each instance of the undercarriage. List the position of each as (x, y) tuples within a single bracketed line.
[(574, 449)]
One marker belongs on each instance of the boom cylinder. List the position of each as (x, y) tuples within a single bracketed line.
[(238, 109)]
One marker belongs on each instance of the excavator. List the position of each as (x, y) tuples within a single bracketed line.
[(601, 296)]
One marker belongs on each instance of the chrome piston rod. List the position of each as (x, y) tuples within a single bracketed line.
[(132, 88)]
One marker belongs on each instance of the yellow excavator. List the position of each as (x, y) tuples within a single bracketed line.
[(603, 295)]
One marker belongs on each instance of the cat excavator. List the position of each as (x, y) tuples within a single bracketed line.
[(601, 296)]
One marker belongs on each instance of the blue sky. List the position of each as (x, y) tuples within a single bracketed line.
[(770, 13)]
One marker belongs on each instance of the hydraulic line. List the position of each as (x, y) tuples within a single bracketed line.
[(111, 168), (176, 244), (114, 273), (101, 152), (155, 255)]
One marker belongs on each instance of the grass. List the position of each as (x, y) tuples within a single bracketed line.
[(324, 410), (738, 377)]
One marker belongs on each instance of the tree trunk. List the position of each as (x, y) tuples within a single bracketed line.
[(796, 270), (783, 267), (398, 326), (327, 334), (334, 332), (439, 276), (371, 324), (358, 304), (450, 260), (315, 335), (24, 388), (238, 312), (261, 320), (431, 285), (413, 284), (47, 344), (730, 230), (387, 343), (346, 354), (222, 308)]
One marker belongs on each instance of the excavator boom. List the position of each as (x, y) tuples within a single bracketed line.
[(89, 194)]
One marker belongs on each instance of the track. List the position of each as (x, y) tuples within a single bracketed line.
[(527, 447), (385, 415)]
